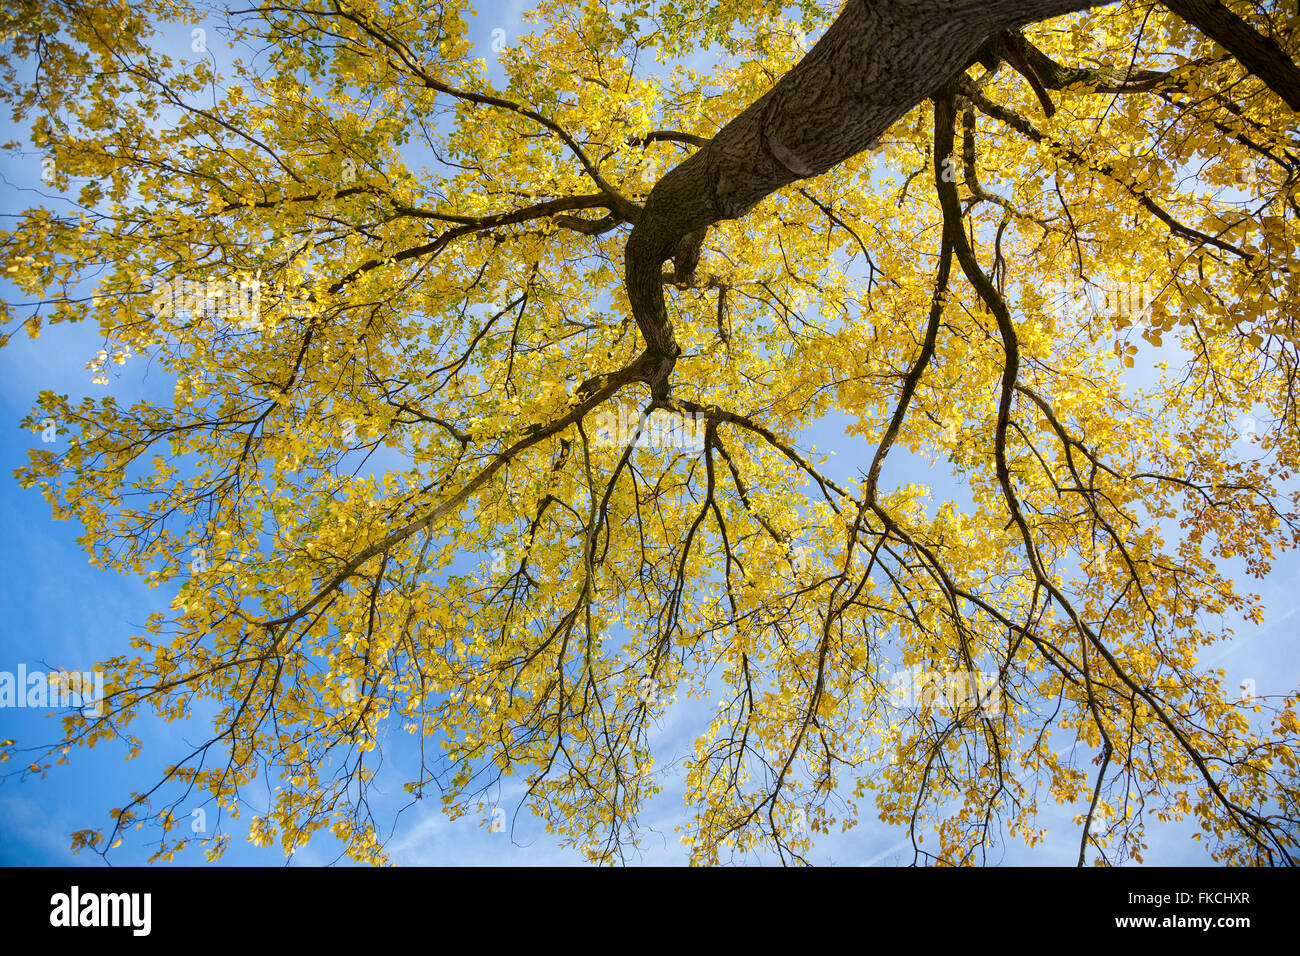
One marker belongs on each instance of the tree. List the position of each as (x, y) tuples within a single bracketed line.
[(577, 325)]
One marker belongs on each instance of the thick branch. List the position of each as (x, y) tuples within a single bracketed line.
[(1256, 52), (874, 64)]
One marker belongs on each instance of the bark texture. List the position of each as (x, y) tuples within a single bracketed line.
[(874, 64), (1256, 52)]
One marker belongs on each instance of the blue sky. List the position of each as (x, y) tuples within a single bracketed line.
[(59, 611)]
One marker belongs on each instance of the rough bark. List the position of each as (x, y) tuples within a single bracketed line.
[(874, 64), (1256, 52)]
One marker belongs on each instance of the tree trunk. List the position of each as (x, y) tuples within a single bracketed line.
[(1256, 52), (875, 62)]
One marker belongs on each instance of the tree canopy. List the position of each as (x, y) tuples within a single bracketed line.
[(492, 402)]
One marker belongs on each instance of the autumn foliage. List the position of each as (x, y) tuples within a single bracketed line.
[(395, 490)]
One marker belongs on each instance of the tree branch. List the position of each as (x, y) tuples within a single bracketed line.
[(874, 64), (1257, 53)]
